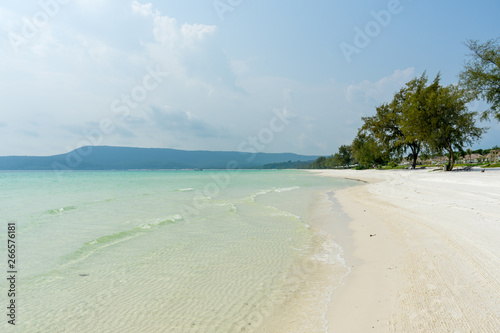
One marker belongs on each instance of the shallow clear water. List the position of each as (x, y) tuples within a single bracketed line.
[(169, 251)]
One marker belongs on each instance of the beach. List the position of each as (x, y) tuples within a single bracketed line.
[(255, 251), (424, 252)]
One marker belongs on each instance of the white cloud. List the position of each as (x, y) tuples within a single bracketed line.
[(143, 9), (73, 71), (380, 91), (197, 31), (168, 31), (188, 51)]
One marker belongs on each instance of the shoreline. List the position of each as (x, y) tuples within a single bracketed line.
[(423, 249)]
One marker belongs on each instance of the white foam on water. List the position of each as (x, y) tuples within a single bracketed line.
[(286, 189), (189, 189), (278, 212)]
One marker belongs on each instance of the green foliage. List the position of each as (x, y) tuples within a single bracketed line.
[(288, 165), (392, 164), (496, 165), (421, 116), (481, 75), (428, 118), (343, 158), (440, 118), (367, 151), (389, 125), (320, 163)]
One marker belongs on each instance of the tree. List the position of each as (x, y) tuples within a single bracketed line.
[(442, 120), (413, 100), (319, 163), (344, 156), (384, 128), (332, 162), (481, 75), (388, 124), (366, 151)]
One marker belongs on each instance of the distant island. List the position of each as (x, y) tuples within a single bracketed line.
[(127, 158)]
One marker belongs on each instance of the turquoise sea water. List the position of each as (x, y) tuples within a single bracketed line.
[(169, 251)]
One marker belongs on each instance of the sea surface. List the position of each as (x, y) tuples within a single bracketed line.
[(169, 251)]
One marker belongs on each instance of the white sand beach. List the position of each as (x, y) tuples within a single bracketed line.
[(424, 252)]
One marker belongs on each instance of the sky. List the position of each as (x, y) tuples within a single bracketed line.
[(232, 75)]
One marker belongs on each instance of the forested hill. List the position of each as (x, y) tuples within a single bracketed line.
[(124, 158)]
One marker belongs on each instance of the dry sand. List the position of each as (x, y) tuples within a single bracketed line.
[(424, 252)]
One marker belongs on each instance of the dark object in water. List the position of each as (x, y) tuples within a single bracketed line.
[(84, 274)]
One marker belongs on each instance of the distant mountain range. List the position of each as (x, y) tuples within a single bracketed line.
[(126, 158)]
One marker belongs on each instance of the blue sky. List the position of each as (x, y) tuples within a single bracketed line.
[(277, 76)]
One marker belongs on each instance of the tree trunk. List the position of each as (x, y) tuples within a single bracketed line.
[(451, 159), (415, 149)]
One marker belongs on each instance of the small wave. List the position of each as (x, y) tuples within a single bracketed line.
[(284, 213), (330, 253), (136, 230), (333, 253), (232, 207), (189, 189), (102, 242), (60, 210), (286, 189), (255, 195), (159, 222), (276, 190)]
